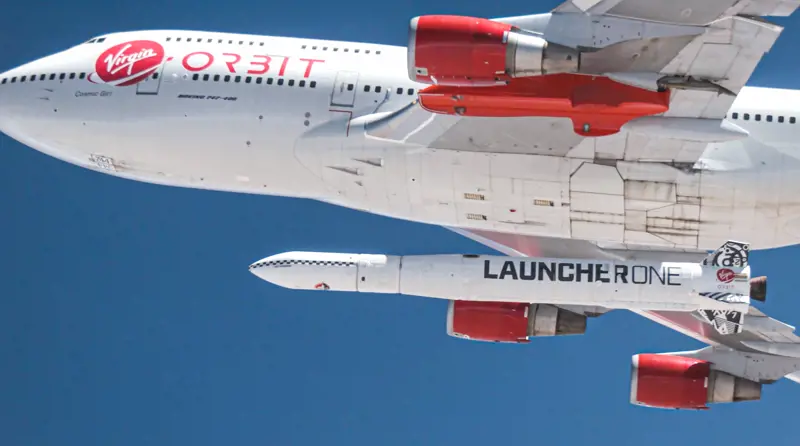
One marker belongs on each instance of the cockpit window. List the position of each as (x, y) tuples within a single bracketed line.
[(96, 40)]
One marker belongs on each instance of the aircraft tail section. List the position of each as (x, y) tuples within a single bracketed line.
[(731, 254), (726, 322), (732, 261)]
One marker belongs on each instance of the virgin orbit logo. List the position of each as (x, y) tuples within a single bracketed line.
[(725, 275), (129, 63)]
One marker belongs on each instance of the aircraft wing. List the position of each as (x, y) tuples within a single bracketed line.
[(762, 334), (703, 52), (680, 11)]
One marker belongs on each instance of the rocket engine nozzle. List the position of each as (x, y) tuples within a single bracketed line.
[(758, 288)]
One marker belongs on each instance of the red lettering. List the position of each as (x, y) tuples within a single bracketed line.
[(236, 60), (283, 65), (310, 64), (192, 67), (264, 64)]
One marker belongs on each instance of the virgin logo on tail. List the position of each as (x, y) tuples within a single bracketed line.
[(725, 275), (129, 63)]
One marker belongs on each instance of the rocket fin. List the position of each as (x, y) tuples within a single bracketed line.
[(726, 322), (730, 254)]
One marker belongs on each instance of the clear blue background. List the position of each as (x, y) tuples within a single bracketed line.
[(128, 316)]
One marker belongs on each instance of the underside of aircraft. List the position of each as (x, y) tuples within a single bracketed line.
[(605, 148)]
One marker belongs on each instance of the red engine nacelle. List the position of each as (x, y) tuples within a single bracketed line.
[(470, 51), (676, 382), (510, 321)]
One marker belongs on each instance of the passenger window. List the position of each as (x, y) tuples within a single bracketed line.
[(769, 118), (216, 78), (366, 88), (22, 79), (301, 84), (378, 89), (336, 49), (251, 43), (280, 81), (206, 76), (53, 76), (291, 82), (747, 116), (399, 90), (324, 48), (210, 40), (72, 75), (3, 81), (735, 116), (313, 47), (269, 81), (227, 78), (378, 52), (44, 76), (188, 39), (237, 79), (62, 76), (178, 39), (410, 91), (195, 77), (349, 87), (81, 76), (248, 79), (259, 80), (780, 119), (346, 50), (792, 120), (13, 79), (155, 75), (303, 47), (169, 38), (758, 117), (33, 78), (356, 50), (313, 84)]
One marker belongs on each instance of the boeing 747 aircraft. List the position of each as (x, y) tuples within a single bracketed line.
[(612, 141)]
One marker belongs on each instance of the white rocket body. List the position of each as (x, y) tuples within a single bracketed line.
[(637, 285)]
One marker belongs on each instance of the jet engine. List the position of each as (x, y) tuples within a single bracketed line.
[(676, 382), (510, 322), (470, 51)]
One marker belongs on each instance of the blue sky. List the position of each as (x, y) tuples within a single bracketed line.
[(128, 316)]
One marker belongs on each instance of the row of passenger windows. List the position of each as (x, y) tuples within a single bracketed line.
[(43, 77), (768, 118), (249, 79), (280, 81), (254, 43)]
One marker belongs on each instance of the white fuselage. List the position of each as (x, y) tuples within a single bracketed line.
[(637, 285), (271, 115)]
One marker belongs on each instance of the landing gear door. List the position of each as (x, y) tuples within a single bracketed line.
[(344, 89)]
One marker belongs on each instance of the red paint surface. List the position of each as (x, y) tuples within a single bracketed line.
[(672, 382), (129, 63), (602, 104), (460, 50), (491, 321), (725, 275)]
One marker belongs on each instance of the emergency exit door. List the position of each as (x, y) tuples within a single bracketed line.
[(344, 89)]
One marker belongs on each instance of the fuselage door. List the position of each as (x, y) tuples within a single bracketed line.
[(344, 89), (152, 84)]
